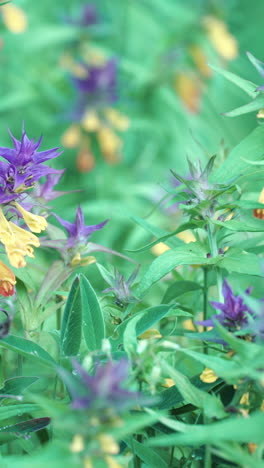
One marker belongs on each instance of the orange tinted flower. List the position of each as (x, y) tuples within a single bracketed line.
[(7, 281), (189, 91), (259, 212)]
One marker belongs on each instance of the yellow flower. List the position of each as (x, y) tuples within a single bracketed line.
[(150, 333), (200, 60), (77, 260), (17, 241), (108, 444), (244, 400), (260, 114), (34, 222), (119, 121), (168, 383), (208, 376), (259, 212), (77, 444), (14, 18), (7, 281), (225, 44), (186, 236), (110, 144), (189, 90), (159, 249), (72, 137), (91, 121)]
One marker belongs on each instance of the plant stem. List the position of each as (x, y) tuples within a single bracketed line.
[(205, 301), (214, 253), (207, 458)]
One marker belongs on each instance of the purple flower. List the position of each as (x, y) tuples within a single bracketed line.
[(78, 232), (102, 390), (234, 312), (88, 15), (98, 88), (44, 192), (24, 165)]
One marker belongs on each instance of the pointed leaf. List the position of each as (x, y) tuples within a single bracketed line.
[(93, 319), (71, 329)]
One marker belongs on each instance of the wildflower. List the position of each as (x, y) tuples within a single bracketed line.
[(189, 91), (120, 287), (34, 222), (208, 376), (223, 41), (78, 232), (17, 241), (14, 18), (7, 281), (102, 390), (259, 212), (25, 164), (44, 192), (88, 16), (234, 312), (98, 86)]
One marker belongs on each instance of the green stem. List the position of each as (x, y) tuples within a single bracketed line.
[(214, 253), (205, 301), (208, 457), (171, 457)]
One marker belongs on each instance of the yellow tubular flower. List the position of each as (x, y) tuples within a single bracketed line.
[(224, 43), (110, 144), (7, 281), (72, 137), (208, 376), (17, 241), (34, 222), (91, 121), (14, 18)]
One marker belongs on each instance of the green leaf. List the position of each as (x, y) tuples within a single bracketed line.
[(247, 86), (171, 397), (177, 289), (71, 329), (240, 226), (147, 455), (251, 148), (240, 261), (93, 319), (236, 429), (9, 411), (157, 232), (181, 228), (25, 427), (28, 349), (257, 104), (145, 320), (211, 405), (16, 385), (169, 260)]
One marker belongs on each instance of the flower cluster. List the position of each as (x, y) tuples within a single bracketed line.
[(20, 168), (96, 87), (234, 312), (24, 210), (95, 120)]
